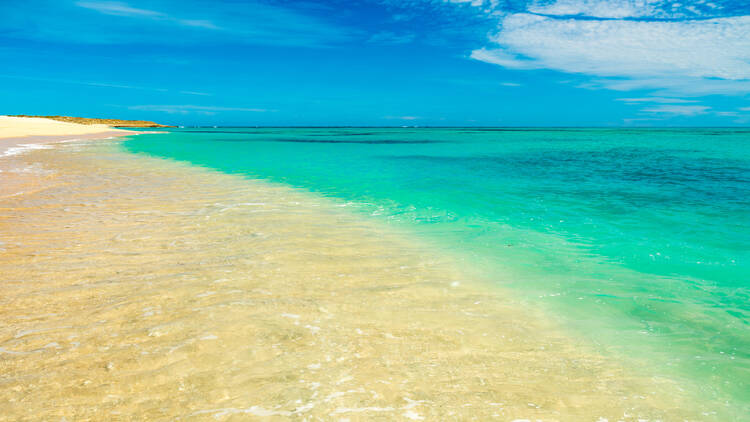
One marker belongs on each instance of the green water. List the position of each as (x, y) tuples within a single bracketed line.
[(636, 240)]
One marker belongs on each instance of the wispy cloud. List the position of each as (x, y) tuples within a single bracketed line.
[(504, 58), (189, 109), (678, 110), (599, 8), (119, 9), (198, 23), (659, 100), (169, 22), (489, 83), (389, 37), (97, 84), (402, 117), (202, 94), (676, 85), (607, 9), (641, 120), (100, 84), (123, 9)]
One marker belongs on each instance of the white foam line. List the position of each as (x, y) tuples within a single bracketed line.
[(22, 148)]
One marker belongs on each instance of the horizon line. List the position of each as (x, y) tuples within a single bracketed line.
[(434, 127)]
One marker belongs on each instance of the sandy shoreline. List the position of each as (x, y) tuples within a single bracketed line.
[(12, 146), (22, 133)]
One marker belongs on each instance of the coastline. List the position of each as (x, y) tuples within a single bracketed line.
[(339, 317), (14, 145), (19, 135)]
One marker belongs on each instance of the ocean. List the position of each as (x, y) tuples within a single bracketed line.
[(635, 240)]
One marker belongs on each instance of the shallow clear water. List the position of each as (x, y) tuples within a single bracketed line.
[(135, 288), (637, 240)]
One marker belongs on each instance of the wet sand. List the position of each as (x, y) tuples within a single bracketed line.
[(19, 135), (19, 144), (133, 288)]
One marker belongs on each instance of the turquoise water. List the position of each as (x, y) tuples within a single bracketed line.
[(636, 240)]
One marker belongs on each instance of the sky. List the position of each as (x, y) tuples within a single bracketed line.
[(380, 62)]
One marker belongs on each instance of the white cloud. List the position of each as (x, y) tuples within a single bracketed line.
[(510, 84), (123, 9), (198, 23), (167, 22), (505, 59), (389, 37), (476, 3), (203, 94), (640, 120), (402, 117), (188, 109), (659, 100), (691, 57), (86, 83), (678, 110), (713, 48), (598, 8), (119, 9), (677, 85)]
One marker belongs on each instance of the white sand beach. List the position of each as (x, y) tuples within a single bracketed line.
[(19, 133)]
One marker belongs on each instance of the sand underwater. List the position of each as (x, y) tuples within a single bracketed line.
[(141, 288)]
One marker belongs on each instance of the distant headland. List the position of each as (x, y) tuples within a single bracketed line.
[(92, 121)]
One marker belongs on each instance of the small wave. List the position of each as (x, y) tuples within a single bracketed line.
[(22, 148)]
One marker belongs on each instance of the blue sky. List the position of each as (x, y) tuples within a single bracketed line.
[(380, 62)]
